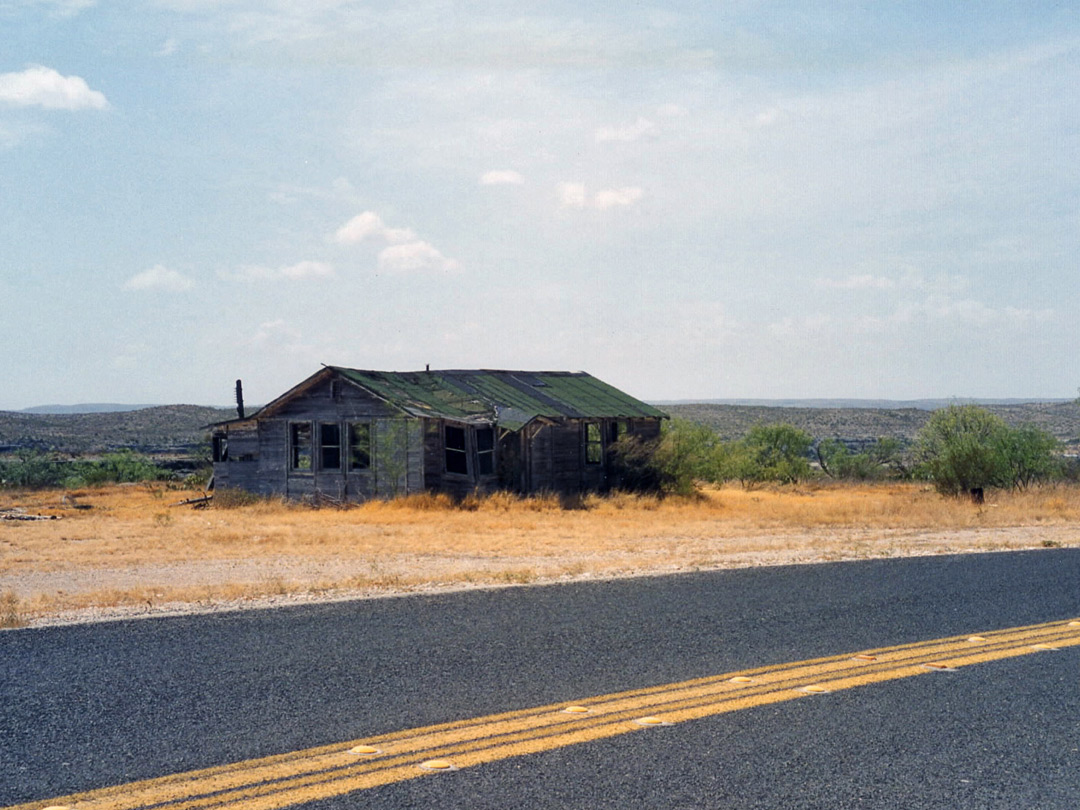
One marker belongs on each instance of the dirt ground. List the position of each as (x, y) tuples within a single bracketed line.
[(135, 553)]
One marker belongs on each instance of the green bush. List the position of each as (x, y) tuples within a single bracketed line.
[(965, 449), (33, 469), (37, 470), (778, 453), (683, 454), (883, 459)]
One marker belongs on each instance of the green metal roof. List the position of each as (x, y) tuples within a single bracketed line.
[(511, 399)]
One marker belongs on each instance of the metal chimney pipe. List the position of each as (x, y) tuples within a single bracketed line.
[(239, 399)]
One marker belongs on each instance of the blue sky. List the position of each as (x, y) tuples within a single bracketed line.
[(686, 199)]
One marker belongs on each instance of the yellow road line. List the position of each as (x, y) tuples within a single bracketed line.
[(280, 781)]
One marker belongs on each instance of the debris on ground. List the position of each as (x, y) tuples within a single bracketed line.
[(19, 513), (196, 503)]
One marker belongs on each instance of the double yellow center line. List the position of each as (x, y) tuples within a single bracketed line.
[(333, 770)]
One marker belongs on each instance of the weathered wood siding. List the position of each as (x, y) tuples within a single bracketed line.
[(436, 476), (408, 454), (261, 461)]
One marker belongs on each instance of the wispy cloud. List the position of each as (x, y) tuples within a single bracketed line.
[(617, 197), (413, 256), (293, 272), (857, 282), (58, 8), (575, 195), (159, 277), (504, 177), (572, 195), (630, 132), (44, 87)]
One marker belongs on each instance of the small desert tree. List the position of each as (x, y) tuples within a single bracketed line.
[(777, 452), (683, 454), (880, 460), (1028, 455), (959, 448)]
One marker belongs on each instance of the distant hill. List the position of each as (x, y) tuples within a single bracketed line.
[(87, 407), (884, 404), (178, 430), (858, 425), (159, 430)]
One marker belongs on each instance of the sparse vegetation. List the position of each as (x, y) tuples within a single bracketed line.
[(34, 469), (112, 545), (10, 613)]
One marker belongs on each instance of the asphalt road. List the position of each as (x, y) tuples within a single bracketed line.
[(90, 706)]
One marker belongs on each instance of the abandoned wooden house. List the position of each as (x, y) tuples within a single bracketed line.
[(351, 435)]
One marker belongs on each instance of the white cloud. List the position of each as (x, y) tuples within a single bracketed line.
[(168, 47), (631, 132), (39, 86), (159, 277), (621, 197), (405, 251), (501, 178), (572, 195), (278, 338), (296, 272), (857, 282), (414, 256), (575, 195), (369, 225)]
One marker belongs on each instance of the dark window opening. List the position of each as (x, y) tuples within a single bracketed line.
[(221, 447), (616, 430), (359, 445), (330, 446), (300, 446), (594, 445), (485, 450), (456, 454)]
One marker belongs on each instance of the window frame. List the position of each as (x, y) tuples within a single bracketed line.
[(594, 443), (485, 457), (461, 454), (297, 450), (350, 431), (329, 447)]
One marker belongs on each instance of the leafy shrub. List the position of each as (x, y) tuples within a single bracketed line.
[(778, 452), (883, 459), (37, 470), (964, 449), (684, 454)]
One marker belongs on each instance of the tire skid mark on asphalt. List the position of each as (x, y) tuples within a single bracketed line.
[(283, 780)]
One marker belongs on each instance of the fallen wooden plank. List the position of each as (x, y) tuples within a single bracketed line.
[(195, 501)]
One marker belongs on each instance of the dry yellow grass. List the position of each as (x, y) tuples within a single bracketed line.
[(134, 547)]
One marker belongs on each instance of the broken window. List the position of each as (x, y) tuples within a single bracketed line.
[(485, 450), (221, 447), (329, 446), (456, 454), (594, 444), (359, 445), (616, 430), (300, 446)]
